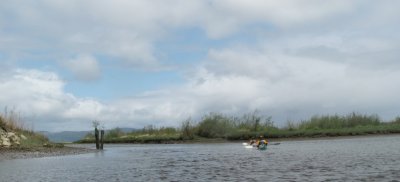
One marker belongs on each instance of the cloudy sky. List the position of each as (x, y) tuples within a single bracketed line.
[(131, 63)]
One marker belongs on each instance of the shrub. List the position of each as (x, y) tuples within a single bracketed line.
[(214, 126), (187, 129), (114, 133)]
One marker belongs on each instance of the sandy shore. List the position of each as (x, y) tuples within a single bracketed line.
[(18, 153)]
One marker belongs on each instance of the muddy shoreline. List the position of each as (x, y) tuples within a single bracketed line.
[(331, 137), (38, 152)]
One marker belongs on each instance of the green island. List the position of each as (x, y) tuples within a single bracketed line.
[(216, 127)]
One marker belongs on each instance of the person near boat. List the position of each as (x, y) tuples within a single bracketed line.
[(252, 141), (262, 141)]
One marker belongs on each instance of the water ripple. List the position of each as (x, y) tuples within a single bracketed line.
[(316, 160)]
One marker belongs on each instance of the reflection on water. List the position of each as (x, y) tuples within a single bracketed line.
[(356, 159)]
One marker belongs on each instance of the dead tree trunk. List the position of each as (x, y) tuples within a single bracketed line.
[(101, 139), (96, 135)]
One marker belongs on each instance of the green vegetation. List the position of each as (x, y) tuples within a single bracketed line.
[(10, 122), (219, 126), (148, 134), (34, 140)]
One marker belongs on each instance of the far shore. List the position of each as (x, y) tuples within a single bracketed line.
[(272, 140), (332, 137)]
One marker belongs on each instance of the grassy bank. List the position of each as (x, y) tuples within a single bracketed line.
[(11, 124), (314, 133), (221, 127)]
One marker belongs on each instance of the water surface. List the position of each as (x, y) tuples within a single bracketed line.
[(354, 159)]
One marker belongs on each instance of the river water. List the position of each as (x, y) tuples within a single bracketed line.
[(352, 159)]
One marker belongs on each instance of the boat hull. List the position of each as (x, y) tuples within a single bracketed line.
[(262, 147)]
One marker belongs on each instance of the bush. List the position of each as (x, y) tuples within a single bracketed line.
[(396, 120), (214, 126), (187, 129), (11, 121), (335, 121), (114, 133)]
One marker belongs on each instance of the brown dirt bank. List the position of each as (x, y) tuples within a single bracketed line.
[(37, 152)]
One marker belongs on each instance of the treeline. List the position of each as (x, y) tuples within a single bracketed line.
[(216, 125), (328, 125)]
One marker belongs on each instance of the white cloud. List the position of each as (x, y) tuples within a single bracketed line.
[(308, 57), (84, 109), (84, 67), (33, 92), (308, 87), (282, 13), (40, 98), (129, 30), (292, 85)]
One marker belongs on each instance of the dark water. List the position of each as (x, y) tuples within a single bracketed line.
[(356, 159)]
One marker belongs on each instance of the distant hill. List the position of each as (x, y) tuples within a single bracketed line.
[(71, 136), (65, 136)]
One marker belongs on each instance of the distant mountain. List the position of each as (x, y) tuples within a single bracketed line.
[(71, 136), (127, 130), (65, 136)]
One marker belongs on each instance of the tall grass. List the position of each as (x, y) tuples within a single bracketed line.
[(149, 134), (114, 133), (34, 140), (187, 129), (396, 120), (214, 125), (336, 121), (11, 121)]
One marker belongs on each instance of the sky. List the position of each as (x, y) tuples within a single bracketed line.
[(132, 63)]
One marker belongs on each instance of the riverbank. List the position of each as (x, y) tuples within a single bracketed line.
[(201, 140), (217, 127), (331, 137), (17, 142), (39, 152)]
